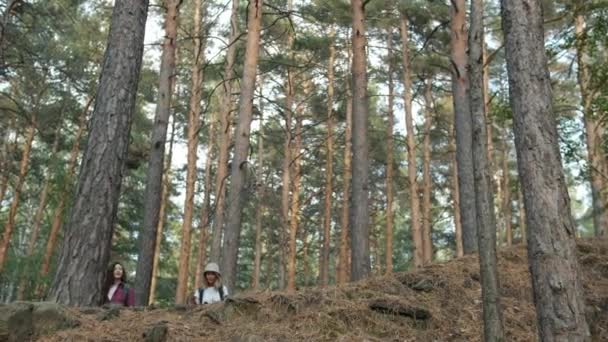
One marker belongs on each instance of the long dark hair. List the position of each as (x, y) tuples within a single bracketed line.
[(109, 281)]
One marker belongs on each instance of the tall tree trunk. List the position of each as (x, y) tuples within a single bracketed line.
[(506, 191), (390, 214), (427, 237), (462, 122), (205, 210), (9, 226), (5, 167), (455, 194), (344, 254), (239, 161), (294, 222), (522, 215), (329, 164), (227, 105), (63, 198), (154, 177), (286, 169), (488, 119), (418, 249), (194, 124), (82, 264), (360, 264), (162, 216), (486, 222), (42, 201), (260, 191), (594, 131), (558, 291)]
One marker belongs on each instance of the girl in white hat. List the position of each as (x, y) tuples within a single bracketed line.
[(212, 291)]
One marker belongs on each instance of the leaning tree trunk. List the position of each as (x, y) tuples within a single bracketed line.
[(390, 147), (221, 174), (342, 275), (65, 195), (418, 249), (12, 214), (38, 217), (360, 264), (203, 225), (462, 123), (329, 165), (241, 148), (486, 222), (556, 279), (194, 124), (154, 177), (427, 238), (594, 131), (162, 214), (87, 243), (294, 222)]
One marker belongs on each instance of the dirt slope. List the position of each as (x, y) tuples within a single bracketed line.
[(379, 309)]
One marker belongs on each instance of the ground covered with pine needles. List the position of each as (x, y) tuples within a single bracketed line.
[(439, 303)]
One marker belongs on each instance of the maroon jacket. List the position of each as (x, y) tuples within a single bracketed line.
[(123, 295)]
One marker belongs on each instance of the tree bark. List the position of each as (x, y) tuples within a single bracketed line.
[(162, 216), (86, 249), (154, 177), (239, 161), (486, 222), (260, 191), (9, 226), (360, 264), (42, 201), (455, 194), (557, 287), (287, 159), (194, 124), (390, 146), (329, 165), (64, 197), (344, 254), (5, 170), (506, 192), (594, 130), (462, 122), (294, 222), (418, 248), (427, 237), (205, 211), (522, 215), (227, 106)]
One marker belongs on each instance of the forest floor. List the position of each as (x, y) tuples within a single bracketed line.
[(438, 303)]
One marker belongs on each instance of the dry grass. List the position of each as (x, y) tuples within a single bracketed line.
[(450, 291)]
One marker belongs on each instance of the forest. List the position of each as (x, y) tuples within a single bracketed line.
[(301, 144)]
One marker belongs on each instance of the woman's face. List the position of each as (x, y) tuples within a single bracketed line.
[(211, 278), (118, 271)]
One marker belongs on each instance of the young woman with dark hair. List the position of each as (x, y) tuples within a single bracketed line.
[(115, 289)]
